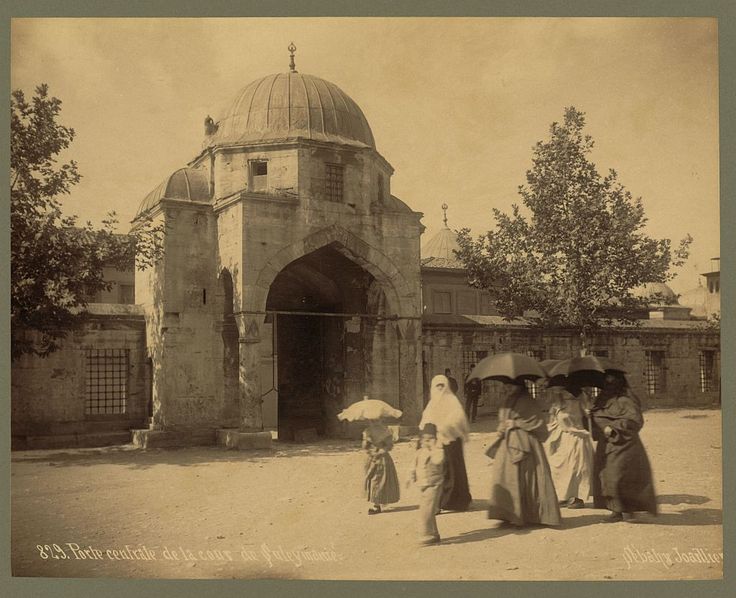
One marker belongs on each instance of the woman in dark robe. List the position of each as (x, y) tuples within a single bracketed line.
[(522, 490), (622, 482), (447, 414)]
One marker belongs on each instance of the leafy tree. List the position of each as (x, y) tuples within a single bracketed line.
[(574, 258), (56, 263)]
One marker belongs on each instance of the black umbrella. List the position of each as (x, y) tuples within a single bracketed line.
[(508, 367), (587, 370)]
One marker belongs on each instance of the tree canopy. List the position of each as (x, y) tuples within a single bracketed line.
[(573, 256), (56, 263)]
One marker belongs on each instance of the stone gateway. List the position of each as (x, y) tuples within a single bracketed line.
[(290, 282)]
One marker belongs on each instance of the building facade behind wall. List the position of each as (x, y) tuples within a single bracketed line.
[(672, 356)]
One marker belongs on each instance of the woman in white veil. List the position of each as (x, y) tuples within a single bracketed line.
[(445, 411)]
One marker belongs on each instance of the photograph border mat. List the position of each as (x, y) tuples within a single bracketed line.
[(723, 10)]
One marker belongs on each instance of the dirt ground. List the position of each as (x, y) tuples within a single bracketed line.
[(297, 512)]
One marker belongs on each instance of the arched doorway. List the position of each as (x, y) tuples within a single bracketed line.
[(323, 312)]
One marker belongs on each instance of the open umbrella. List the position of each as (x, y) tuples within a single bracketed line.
[(548, 364), (367, 410), (508, 367), (587, 370)]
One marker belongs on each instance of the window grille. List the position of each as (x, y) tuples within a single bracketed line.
[(655, 371), (333, 180), (598, 353), (532, 387), (708, 371), (471, 358), (106, 381)]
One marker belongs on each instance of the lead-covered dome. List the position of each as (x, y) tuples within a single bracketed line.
[(185, 184), (661, 293), (290, 106)]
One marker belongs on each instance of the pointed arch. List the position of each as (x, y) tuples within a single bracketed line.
[(399, 295)]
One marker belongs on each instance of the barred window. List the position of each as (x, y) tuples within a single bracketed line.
[(709, 371), (655, 371), (106, 381), (333, 182), (598, 353), (470, 359), (532, 387)]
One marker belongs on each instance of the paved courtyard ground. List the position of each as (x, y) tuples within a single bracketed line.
[(297, 512)]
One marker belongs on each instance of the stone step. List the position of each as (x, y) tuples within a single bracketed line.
[(147, 438), (78, 428), (65, 441)]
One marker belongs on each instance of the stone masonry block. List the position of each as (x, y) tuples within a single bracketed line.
[(233, 438)]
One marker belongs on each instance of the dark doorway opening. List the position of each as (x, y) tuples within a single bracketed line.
[(317, 356)]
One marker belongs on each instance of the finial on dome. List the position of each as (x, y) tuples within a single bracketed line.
[(444, 209), (292, 49)]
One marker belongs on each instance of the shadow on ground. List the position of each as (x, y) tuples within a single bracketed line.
[(682, 499), (130, 456), (478, 535)]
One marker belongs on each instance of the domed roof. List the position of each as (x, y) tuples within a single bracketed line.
[(439, 252), (289, 106), (664, 294), (186, 183)]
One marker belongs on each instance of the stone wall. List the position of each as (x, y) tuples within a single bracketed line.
[(48, 395), (183, 302)]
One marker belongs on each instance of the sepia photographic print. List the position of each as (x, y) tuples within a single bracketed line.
[(365, 298)]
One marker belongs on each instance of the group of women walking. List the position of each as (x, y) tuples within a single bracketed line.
[(540, 462)]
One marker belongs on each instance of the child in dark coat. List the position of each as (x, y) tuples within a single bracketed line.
[(428, 474)]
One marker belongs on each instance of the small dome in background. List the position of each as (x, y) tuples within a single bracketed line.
[(439, 251), (185, 184), (664, 294)]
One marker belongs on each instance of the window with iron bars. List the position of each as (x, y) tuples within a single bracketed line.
[(471, 358), (598, 353), (655, 372), (333, 182), (532, 387), (709, 371), (106, 381)]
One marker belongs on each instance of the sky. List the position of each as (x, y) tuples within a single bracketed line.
[(455, 104)]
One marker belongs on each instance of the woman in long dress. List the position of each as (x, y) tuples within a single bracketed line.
[(623, 483), (447, 414), (522, 491), (381, 483), (569, 449)]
